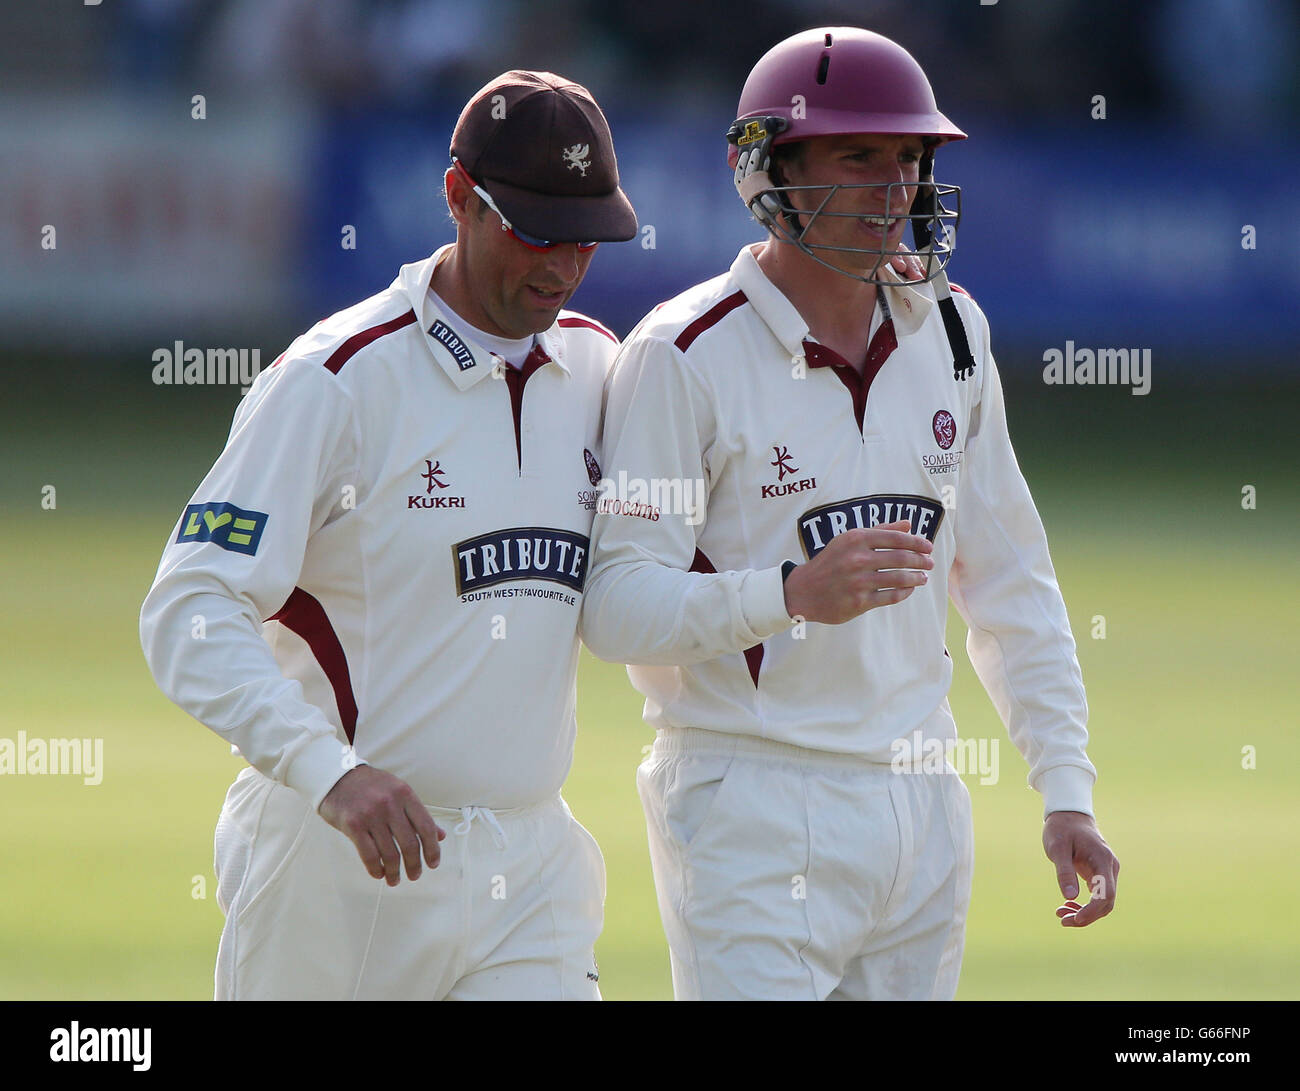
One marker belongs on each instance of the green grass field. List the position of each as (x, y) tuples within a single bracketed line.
[(1142, 504)]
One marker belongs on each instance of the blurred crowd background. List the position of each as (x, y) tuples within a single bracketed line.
[(1215, 63), (323, 115)]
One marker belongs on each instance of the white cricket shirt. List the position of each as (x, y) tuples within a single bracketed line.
[(722, 386), (390, 553)]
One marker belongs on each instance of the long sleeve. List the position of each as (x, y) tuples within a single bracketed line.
[(1003, 584), (642, 603), (233, 560)]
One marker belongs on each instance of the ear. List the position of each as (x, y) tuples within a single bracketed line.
[(459, 195)]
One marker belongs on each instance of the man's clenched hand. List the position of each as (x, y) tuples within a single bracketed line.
[(858, 571)]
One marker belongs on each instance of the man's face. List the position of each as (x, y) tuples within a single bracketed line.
[(855, 160), (518, 291)]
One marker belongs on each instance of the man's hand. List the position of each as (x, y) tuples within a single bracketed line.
[(1075, 846), (858, 571), (908, 266), (385, 820)]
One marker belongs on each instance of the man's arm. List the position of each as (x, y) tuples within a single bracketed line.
[(1004, 586), (642, 604), (232, 561)]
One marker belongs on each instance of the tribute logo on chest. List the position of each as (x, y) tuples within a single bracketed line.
[(521, 553), (818, 526)]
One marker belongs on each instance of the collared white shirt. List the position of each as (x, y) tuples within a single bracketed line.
[(388, 562), (721, 386)]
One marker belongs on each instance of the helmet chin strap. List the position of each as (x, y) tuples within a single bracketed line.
[(926, 206)]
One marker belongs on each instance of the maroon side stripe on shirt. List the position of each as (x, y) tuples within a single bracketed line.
[(569, 323), (754, 655), (305, 616), (701, 563), (711, 317), (358, 341)]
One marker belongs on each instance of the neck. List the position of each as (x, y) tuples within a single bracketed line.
[(451, 282), (837, 308)]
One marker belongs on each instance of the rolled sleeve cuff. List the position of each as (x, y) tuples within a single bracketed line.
[(318, 767), (762, 601), (1066, 788)]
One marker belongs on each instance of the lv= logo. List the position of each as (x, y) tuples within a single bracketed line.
[(223, 524)]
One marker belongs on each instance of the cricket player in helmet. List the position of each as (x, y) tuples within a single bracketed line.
[(837, 412), (837, 82)]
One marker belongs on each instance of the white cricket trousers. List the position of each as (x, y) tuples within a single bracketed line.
[(512, 911), (792, 874)]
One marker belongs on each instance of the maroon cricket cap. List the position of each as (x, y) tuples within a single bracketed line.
[(540, 146)]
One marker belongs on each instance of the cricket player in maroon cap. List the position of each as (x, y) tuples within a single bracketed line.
[(389, 557)]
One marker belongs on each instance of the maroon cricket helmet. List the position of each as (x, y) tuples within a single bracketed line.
[(840, 81), (832, 81)]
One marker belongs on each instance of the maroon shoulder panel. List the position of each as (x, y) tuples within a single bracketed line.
[(358, 341), (586, 323), (711, 317)]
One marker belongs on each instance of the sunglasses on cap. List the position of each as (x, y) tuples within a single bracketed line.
[(530, 241)]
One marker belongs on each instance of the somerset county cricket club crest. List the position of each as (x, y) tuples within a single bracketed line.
[(945, 434), (577, 159), (945, 429), (593, 468)]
